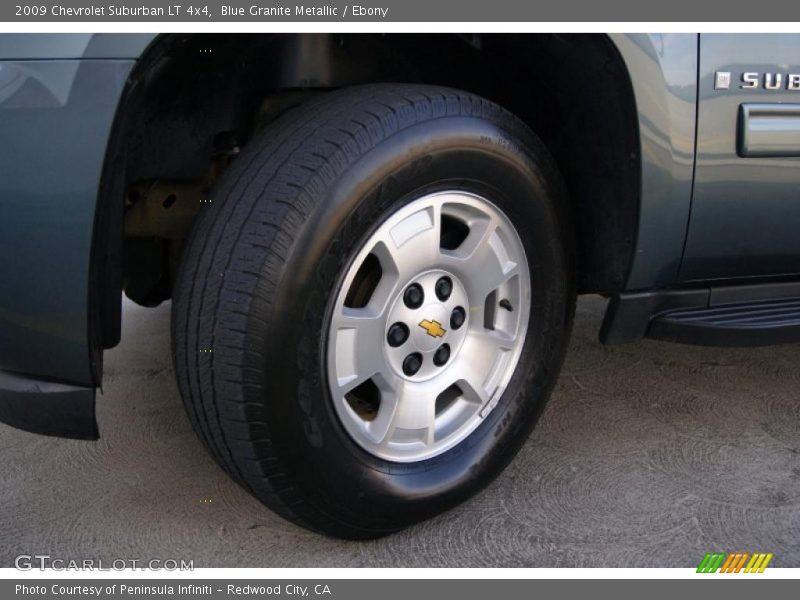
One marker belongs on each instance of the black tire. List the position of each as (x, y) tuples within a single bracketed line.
[(251, 304)]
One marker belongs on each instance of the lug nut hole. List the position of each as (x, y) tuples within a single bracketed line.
[(444, 287), (413, 297), (457, 317), (412, 364), (397, 334), (442, 355)]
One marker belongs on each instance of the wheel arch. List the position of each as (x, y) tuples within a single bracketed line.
[(190, 97)]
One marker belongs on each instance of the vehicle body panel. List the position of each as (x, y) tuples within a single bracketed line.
[(662, 68), (55, 119), (61, 46), (745, 210)]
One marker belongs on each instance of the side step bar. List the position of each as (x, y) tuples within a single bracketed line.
[(749, 315)]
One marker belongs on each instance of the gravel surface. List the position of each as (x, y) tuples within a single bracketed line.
[(648, 454)]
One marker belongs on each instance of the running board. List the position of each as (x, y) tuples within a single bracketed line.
[(752, 315)]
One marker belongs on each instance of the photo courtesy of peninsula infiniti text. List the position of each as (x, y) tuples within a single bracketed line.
[(373, 244)]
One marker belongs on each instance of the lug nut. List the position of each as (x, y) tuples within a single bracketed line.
[(397, 334), (444, 287), (457, 317), (442, 355), (413, 296), (412, 363)]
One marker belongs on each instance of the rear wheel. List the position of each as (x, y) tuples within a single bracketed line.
[(373, 311)]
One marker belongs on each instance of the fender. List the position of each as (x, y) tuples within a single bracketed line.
[(663, 70)]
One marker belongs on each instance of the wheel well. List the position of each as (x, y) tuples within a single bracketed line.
[(194, 100)]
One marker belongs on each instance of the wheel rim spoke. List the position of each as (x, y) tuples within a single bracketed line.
[(414, 416), (413, 244), (357, 333), (485, 265), (382, 427), (483, 358), (492, 341)]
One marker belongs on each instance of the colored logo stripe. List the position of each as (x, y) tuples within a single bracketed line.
[(734, 562), (758, 563), (711, 563)]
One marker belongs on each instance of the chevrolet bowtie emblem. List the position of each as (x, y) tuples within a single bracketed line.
[(432, 328)]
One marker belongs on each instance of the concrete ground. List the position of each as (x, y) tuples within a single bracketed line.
[(648, 455)]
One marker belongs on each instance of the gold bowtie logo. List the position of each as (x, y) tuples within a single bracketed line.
[(433, 328)]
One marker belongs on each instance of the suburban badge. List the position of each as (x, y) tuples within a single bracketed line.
[(751, 80)]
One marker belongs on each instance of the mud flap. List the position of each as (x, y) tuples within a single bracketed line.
[(48, 408)]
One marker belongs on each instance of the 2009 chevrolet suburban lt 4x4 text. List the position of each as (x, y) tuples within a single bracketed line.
[(373, 243)]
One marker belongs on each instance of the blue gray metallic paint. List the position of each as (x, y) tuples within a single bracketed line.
[(60, 46), (745, 210), (55, 119), (663, 68), (58, 98)]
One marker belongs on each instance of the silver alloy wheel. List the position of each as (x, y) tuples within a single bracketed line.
[(400, 394)]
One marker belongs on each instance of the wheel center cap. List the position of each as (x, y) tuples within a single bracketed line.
[(431, 330), (432, 343)]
